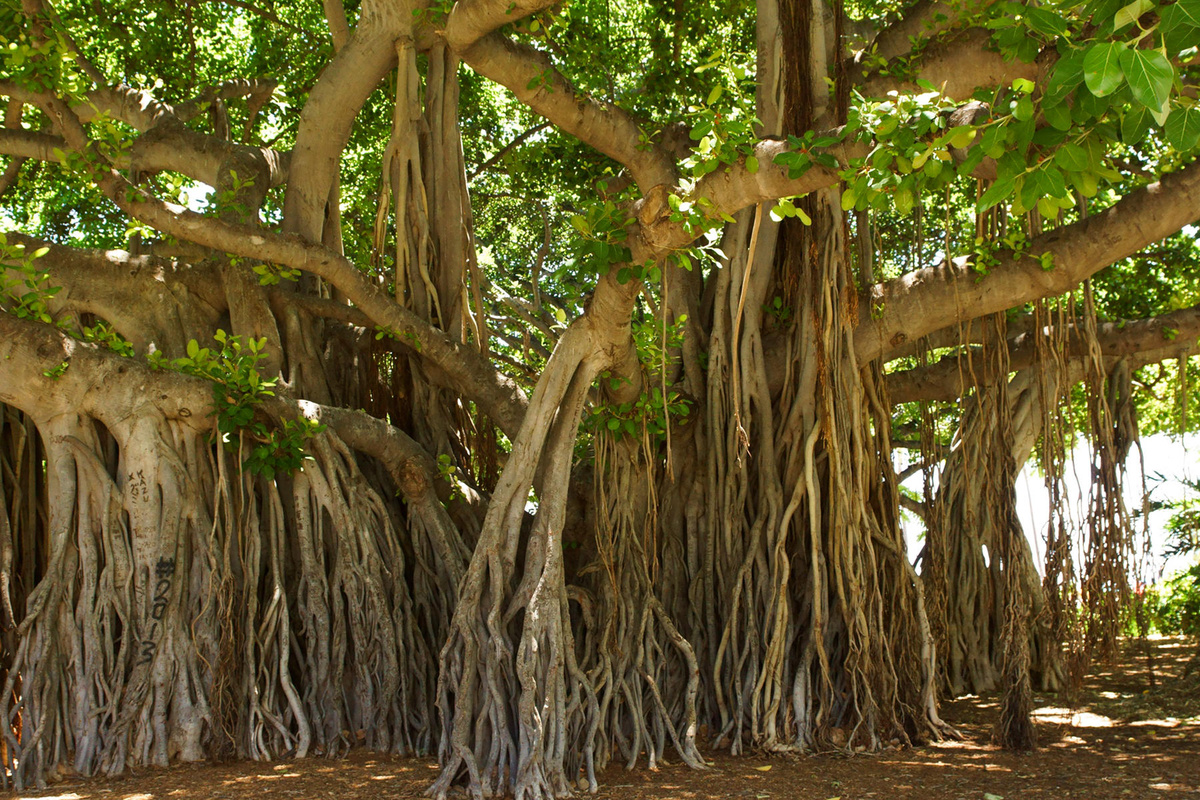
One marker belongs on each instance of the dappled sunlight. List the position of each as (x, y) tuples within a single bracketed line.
[(1076, 719), (1095, 750)]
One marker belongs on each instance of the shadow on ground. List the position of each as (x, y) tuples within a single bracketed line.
[(1135, 734)]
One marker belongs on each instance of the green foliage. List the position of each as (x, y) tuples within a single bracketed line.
[(54, 373), (1174, 605), (103, 334), (408, 338), (25, 288), (449, 473), (603, 231), (270, 274), (238, 389), (985, 253), (912, 140), (652, 413)]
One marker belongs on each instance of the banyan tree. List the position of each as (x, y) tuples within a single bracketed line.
[(517, 382)]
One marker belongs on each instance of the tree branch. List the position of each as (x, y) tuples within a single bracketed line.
[(167, 144), (102, 384), (468, 370), (335, 18), (957, 67), (530, 75), (471, 20), (922, 21), (1145, 341), (929, 299)]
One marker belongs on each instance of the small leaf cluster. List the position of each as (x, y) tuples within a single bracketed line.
[(238, 389), (270, 274), (282, 451), (1022, 30), (722, 136), (803, 152), (985, 253), (912, 142), (449, 472), (650, 413), (603, 232), (408, 338), (103, 334), (25, 288)]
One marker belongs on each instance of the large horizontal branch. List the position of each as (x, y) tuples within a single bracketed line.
[(149, 300), (46, 373), (30, 144), (167, 145), (957, 66), (531, 76), (138, 108), (1144, 341), (468, 370), (170, 145), (956, 334), (466, 367), (471, 20), (923, 20), (728, 190), (932, 298)]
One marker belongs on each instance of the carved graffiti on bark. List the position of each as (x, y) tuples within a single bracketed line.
[(164, 571)]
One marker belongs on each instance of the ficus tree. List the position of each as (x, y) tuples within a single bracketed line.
[(518, 381)]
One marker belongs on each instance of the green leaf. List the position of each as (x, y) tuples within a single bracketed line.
[(1071, 157), (1067, 74), (1189, 11), (961, 137), (1102, 68), (1135, 124), (1150, 76), (995, 193), (751, 165), (1047, 23), (1183, 128), (715, 94), (1131, 13), (849, 198), (1023, 85), (1047, 208), (1024, 109), (1057, 114)]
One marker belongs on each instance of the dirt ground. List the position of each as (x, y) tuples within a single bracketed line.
[(1127, 739)]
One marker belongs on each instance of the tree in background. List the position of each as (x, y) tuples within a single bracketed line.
[(517, 381)]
